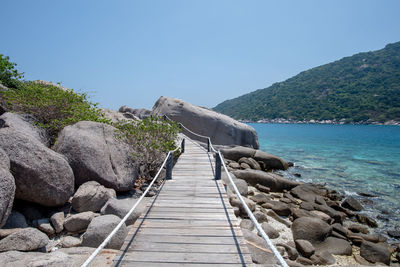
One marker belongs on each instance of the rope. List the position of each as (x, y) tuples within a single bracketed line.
[(107, 240)]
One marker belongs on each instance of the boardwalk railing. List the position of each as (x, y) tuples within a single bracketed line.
[(219, 162), (168, 162)]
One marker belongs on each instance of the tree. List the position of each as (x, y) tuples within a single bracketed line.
[(9, 76)]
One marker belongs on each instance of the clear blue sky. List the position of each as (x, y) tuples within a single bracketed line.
[(132, 52)]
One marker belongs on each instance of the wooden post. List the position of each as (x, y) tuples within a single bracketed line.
[(169, 168), (208, 144), (183, 145), (217, 167)]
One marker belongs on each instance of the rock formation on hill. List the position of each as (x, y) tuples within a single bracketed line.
[(222, 129)]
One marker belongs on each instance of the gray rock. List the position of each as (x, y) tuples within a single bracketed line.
[(91, 196), (26, 239), (244, 166), (222, 129), (7, 188), (280, 208), (322, 258), (41, 175), (260, 217), (70, 241), (94, 153), (240, 184), (25, 124), (263, 189), (335, 246), (366, 220), (234, 165), (235, 202), (304, 261), (117, 117), (250, 162), (31, 211), (45, 226), (321, 215), (312, 229), (269, 230), (247, 224), (375, 252), (337, 216), (304, 247), (351, 203), (278, 218), (308, 192), (270, 162), (357, 228), (260, 199), (57, 220), (16, 220), (238, 152), (260, 252), (275, 182), (337, 227), (141, 113), (291, 251), (100, 228), (297, 213), (121, 207), (6, 232), (35, 259), (78, 222)]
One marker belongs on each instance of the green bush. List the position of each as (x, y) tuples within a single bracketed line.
[(9, 76), (53, 107), (150, 139)]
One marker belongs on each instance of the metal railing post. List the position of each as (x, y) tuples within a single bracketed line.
[(217, 167), (208, 145), (183, 145), (169, 167)]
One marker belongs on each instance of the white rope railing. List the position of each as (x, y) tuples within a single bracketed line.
[(107, 240)]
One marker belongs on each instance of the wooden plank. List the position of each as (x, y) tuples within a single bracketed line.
[(184, 257), (201, 248), (192, 232), (127, 263)]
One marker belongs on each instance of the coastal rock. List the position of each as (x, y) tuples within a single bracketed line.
[(351, 203), (45, 226), (222, 129), (235, 202), (251, 163), (70, 241), (240, 184), (26, 239), (366, 220), (375, 252), (237, 152), (280, 208), (41, 175), (91, 196), (312, 229), (78, 222), (7, 188), (260, 199), (357, 228), (322, 258), (15, 220), (260, 253), (308, 192), (247, 224), (121, 207), (116, 117), (25, 124), (269, 230), (272, 214), (141, 113), (100, 227), (263, 189), (275, 182), (304, 247), (35, 259), (270, 162), (335, 246), (57, 220), (291, 252), (260, 217), (94, 153)]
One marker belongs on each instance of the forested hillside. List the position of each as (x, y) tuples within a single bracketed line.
[(363, 87)]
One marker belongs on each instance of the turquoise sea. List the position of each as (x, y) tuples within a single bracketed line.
[(348, 158)]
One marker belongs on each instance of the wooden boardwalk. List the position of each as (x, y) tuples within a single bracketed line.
[(189, 223)]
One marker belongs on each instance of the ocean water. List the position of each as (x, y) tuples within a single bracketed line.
[(348, 158)]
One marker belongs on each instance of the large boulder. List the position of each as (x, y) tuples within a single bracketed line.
[(35, 259), (270, 162), (98, 230), (26, 124), (352, 203), (121, 207), (78, 222), (141, 113), (335, 246), (312, 229), (238, 152), (91, 196), (26, 239), (308, 192), (41, 175), (375, 252), (7, 188), (275, 182), (117, 117), (222, 129), (95, 153), (260, 252), (15, 220)]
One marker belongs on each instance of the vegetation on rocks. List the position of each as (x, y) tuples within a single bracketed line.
[(9, 75), (363, 87)]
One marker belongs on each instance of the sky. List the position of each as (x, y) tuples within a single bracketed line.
[(127, 52)]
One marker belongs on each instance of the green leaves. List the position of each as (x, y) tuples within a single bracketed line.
[(9, 76)]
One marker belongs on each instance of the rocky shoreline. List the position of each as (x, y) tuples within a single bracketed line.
[(309, 224), (340, 122)]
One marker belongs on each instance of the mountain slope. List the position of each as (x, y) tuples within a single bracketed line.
[(365, 86)]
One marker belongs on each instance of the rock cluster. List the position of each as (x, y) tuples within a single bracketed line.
[(309, 224)]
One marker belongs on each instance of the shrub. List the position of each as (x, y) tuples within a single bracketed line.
[(150, 138), (53, 107), (9, 76)]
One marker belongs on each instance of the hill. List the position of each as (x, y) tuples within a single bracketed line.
[(362, 88)]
